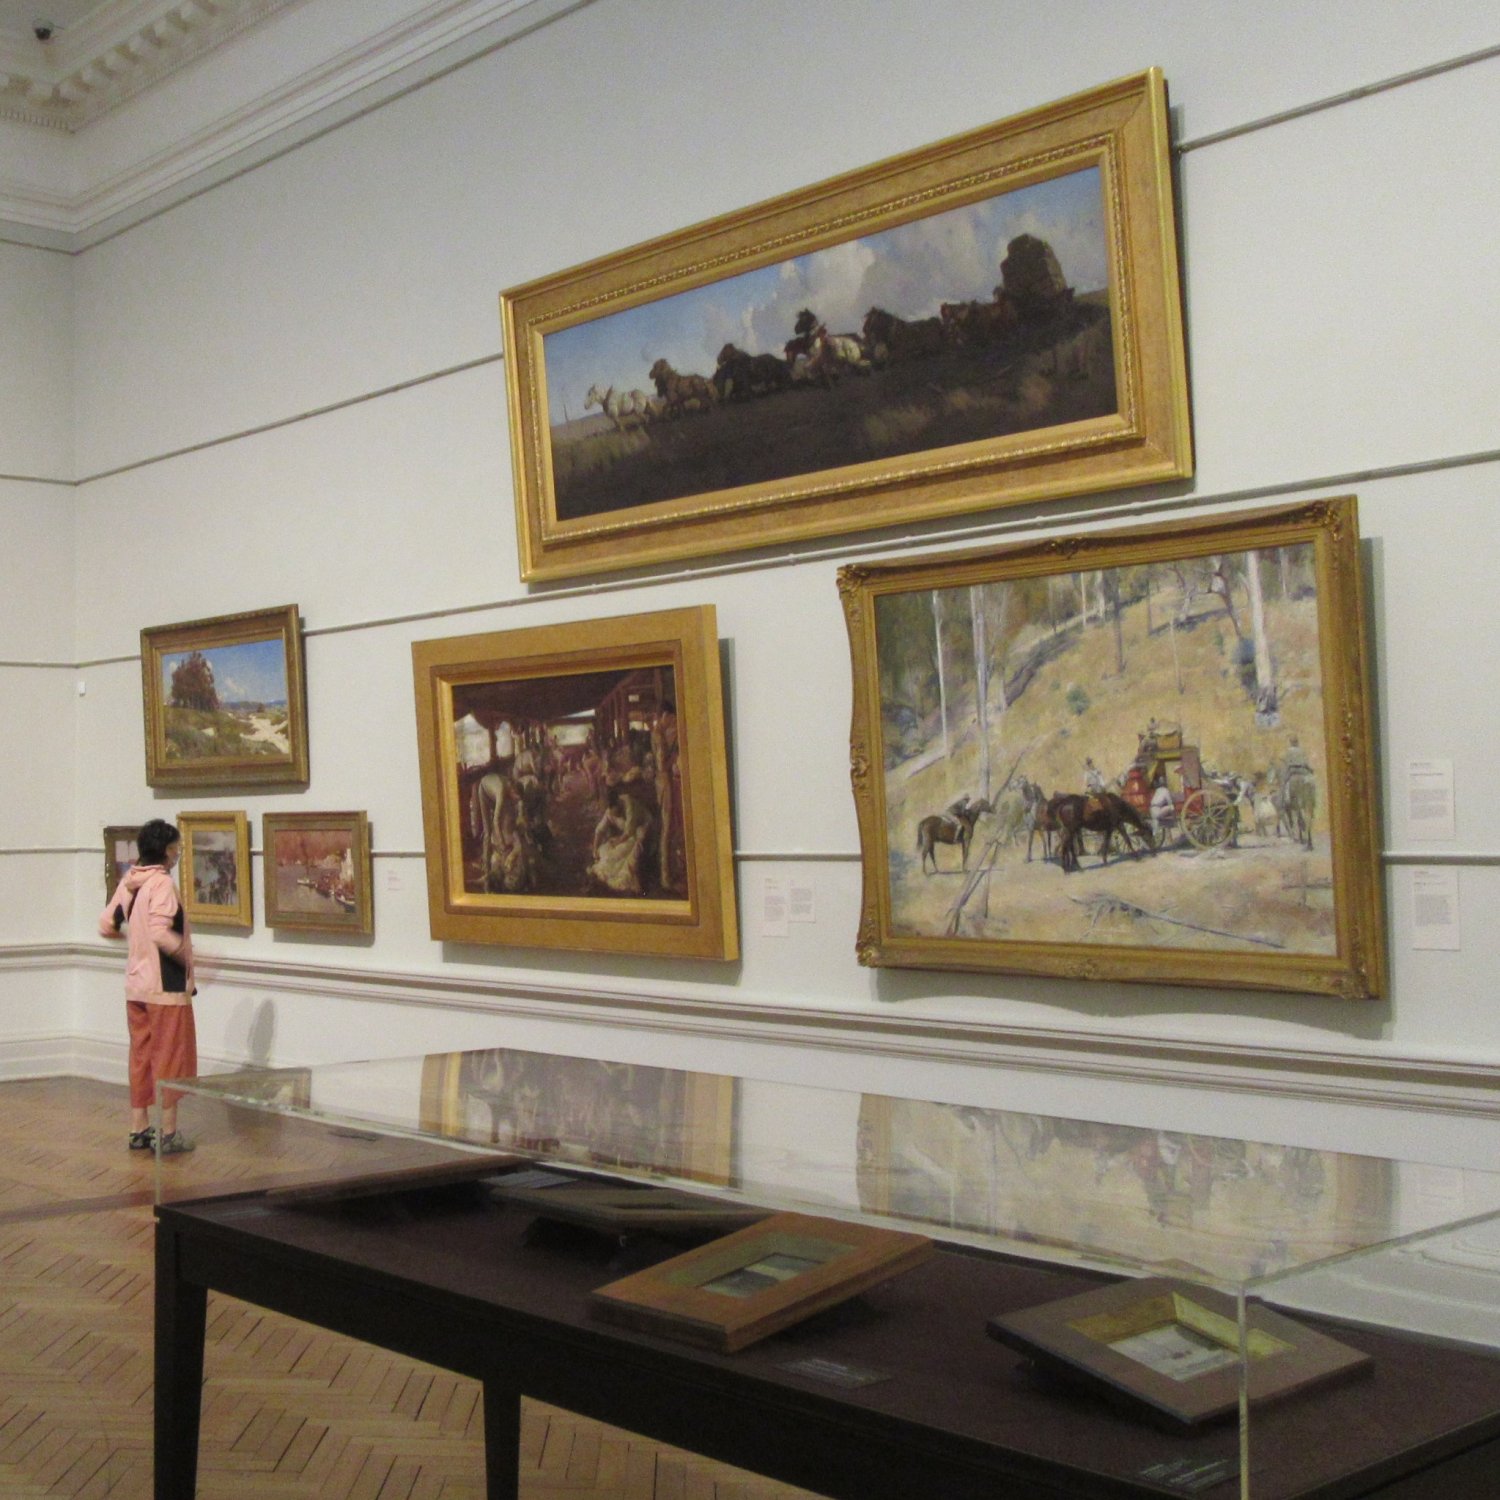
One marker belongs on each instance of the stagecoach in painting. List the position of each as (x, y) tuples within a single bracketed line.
[(1199, 806)]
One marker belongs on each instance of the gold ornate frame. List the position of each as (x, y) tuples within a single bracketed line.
[(1095, 923), (1121, 129), (703, 923), (217, 772), (237, 913), (353, 902)]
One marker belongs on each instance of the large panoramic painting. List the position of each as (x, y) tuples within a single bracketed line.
[(1138, 755), (574, 786), (225, 702), (988, 320)]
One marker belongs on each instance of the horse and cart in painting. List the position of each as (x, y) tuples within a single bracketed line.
[(1143, 755)]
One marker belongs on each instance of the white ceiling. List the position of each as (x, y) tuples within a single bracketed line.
[(131, 105)]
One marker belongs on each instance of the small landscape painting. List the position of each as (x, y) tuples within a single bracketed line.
[(1135, 751), (317, 871), (215, 869), (225, 703), (215, 882), (228, 701)]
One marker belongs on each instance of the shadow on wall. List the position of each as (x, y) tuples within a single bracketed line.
[(256, 1022)]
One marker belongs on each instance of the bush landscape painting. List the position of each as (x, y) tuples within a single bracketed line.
[(574, 786), (976, 323), (1116, 748), (228, 702), (224, 701), (990, 319)]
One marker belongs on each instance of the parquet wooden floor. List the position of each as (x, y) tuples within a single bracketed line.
[(289, 1412)]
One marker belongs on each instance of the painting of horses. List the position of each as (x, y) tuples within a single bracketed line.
[(576, 794), (1139, 755), (215, 868), (317, 872), (919, 338), (225, 704)]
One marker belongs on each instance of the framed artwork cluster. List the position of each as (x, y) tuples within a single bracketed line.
[(1139, 755), (225, 704)]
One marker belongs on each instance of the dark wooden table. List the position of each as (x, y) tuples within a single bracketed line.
[(456, 1281)]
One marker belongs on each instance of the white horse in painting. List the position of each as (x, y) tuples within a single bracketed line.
[(621, 407)]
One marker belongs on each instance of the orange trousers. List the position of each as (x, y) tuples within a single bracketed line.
[(163, 1044)]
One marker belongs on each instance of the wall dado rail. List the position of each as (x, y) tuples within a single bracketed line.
[(1354, 1075)]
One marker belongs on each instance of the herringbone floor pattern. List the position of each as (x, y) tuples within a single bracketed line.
[(289, 1412)]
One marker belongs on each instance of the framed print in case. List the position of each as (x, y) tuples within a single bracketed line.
[(574, 786), (1172, 1350), (120, 854), (1140, 755), (747, 1285), (225, 701), (990, 320), (317, 872), (215, 870)]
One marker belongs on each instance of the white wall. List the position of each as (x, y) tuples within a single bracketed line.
[(37, 647), (1340, 318)]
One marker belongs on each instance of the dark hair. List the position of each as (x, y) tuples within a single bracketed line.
[(154, 839)]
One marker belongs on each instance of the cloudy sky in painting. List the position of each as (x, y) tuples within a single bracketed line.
[(908, 270)]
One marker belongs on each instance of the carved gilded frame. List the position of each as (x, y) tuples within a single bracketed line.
[(489, 879), (209, 899), (1120, 645), (792, 463)]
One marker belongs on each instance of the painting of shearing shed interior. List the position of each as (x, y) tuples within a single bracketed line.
[(571, 785)]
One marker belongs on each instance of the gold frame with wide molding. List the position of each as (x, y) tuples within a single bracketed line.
[(1356, 968), (702, 924), (1121, 128)]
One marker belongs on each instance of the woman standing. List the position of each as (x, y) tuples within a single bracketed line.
[(159, 984)]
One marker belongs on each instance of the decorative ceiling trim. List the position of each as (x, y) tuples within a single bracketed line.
[(119, 51), (431, 39)]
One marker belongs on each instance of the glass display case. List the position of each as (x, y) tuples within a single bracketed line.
[(1110, 1310)]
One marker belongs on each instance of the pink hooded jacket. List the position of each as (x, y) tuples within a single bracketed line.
[(160, 965)]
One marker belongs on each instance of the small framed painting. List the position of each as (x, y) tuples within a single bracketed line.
[(120, 854), (739, 1289), (1173, 1350), (317, 872), (215, 868), (225, 701)]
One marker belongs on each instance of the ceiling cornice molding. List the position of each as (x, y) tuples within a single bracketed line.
[(119, 51), (430, 39)]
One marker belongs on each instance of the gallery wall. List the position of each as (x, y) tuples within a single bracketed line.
[(289, 389)]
